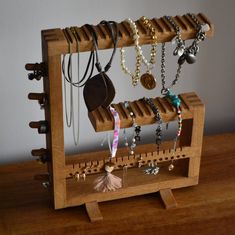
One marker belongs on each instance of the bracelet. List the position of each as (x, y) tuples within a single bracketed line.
[(158, 119), (135, 35), (116, 131), (148, 24), (137, 129)]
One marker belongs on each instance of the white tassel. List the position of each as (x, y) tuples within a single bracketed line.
[(108, 182)]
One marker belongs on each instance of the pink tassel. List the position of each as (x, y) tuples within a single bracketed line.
[(108, 182)]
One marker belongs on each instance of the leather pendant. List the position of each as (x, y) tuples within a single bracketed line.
[(98, 91), (110, 91), (148, 81)]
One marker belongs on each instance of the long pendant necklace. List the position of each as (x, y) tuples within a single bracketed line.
[(68, 78), (173, 99)]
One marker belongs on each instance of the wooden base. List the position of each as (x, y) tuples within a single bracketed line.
[(93, 211), (95, 215), (168, 198)]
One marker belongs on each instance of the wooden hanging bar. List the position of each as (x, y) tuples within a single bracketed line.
[(59, 40), (102, 119)]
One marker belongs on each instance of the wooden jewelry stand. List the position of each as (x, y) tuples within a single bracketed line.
[(66, 192)]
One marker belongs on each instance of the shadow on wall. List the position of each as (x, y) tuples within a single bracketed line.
[(216, 78)]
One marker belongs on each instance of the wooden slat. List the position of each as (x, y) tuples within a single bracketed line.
[(144, 114), (59, 45)]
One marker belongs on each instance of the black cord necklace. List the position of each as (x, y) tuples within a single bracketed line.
[(99, 90)]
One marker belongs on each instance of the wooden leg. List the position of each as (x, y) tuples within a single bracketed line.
[(93, 211), (168, 198)]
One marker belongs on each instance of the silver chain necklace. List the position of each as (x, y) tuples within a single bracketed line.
[(163, 72), (189, 53)]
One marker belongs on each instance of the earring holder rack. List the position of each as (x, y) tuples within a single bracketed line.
[(64, 190)]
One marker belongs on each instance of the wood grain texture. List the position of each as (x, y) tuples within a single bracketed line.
[(93, 211), (102, 120), (208, 208), (59, 39), (168, 198)]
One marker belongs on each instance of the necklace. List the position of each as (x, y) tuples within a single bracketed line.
[(148, 80), (70, 118), (168, 94), (191, 51), (165, 89), (174, 100), (99, 90), (135, 35)]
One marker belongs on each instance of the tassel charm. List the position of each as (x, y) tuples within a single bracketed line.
[(108, 182)]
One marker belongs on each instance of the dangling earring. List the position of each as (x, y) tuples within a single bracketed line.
[(152, 169)]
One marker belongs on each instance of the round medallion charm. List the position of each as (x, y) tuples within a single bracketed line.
[(148, 81)]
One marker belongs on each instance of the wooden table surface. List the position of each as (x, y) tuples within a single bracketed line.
[(208, 208)]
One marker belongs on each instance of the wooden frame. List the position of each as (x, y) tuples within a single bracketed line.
[(65, 191)]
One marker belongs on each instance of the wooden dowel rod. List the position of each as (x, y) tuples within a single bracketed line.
[(34, 66), (34, 124), (42, 126), (37, 96), (39, 152)]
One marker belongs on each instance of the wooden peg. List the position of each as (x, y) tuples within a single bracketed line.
[(42, 126), (42, 177), (39, 152), (42, 154), (38, 71), (35, 66), (41, 97), (37, 96)]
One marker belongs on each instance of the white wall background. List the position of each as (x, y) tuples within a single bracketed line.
[(21, 21)]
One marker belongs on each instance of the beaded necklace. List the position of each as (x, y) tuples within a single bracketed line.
[(139, 57)]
